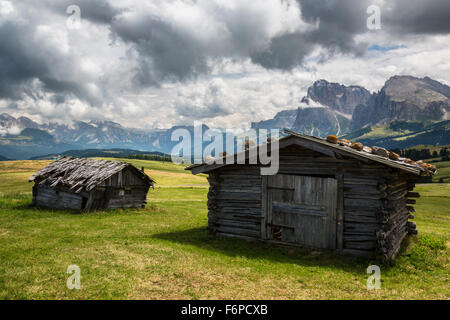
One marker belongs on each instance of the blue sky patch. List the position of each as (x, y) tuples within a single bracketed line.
[(376, 47)]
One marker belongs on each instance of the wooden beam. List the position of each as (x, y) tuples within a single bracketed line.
[(413, 195)]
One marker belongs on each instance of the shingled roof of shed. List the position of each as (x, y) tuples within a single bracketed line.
[(80, 174), (323, 146)]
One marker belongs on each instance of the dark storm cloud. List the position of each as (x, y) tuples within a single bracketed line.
[(418, 17), (19, 61), (338, 21), (285, 52), (167, 52), (164, 53), (23, 59)]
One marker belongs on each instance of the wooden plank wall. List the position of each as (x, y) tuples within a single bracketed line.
[(396, 211), (234, 202), (362, 204), (133, 198), (359, 201), (44, 196), (303, 210), (125, 177)]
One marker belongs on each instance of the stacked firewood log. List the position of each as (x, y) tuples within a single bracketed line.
[(394, 215), (212, 204)]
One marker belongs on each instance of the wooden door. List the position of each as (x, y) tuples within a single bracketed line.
[(300, 210)]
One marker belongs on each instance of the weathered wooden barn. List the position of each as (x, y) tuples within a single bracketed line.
[(90, 184), (326, 195)]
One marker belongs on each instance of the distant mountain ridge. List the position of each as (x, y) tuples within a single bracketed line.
[(328, 108), (22, 138)]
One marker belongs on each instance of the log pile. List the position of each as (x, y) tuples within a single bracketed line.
[(394, 215), (362, 201), (234, 203), (212, 204)]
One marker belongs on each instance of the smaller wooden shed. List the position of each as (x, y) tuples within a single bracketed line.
[(326, 195), (90, 184)]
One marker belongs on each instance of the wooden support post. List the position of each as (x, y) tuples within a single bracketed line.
[(88, 206)]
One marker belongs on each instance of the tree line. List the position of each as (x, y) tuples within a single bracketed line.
[(420, 154), (154, 157)]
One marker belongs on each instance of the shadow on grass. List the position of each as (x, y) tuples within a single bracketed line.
[(258, 250)]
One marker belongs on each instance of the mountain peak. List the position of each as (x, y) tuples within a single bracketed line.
[(322, 82), (415, 90), (6, 116), (405, 98), (338, 97), (105, 123)]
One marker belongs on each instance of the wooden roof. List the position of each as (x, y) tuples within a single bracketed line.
[(79, 174), (323, 146)]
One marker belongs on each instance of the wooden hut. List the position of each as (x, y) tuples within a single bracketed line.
[(90, 184), (326, 195)]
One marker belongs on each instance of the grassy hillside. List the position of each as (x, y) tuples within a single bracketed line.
[(443, 172), (429, 147), (403, 134), (163, 252), (30, 143)]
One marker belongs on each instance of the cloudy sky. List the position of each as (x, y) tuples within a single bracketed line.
[(161, 63)]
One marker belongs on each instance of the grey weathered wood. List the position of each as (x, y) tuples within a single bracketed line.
[(369, 216), (305, 216), (340, 210), (264, 207), (293, 208), (89, 184)]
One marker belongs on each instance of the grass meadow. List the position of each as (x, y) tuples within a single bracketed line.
[(163, 251)]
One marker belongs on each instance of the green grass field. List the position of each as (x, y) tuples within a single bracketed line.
[(163, 252), (443, 171)]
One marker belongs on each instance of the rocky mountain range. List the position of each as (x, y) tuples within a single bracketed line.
[(331, 108), (338, 97), (404, 98), (328, 108), (22, 138)]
